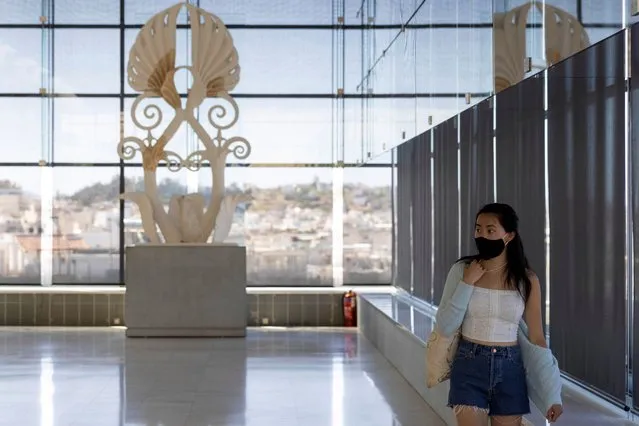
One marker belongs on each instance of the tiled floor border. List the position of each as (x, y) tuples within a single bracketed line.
[(104, 306)]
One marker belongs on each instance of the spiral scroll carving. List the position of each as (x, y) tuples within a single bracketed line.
[(239, 147), (173, 161), (218, 112), (150, 112), (128, 147)]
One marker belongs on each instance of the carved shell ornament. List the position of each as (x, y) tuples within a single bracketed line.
[(564, 36), (509, 33), (215, 71)]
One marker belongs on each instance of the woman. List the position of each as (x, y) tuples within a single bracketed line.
[(488, 295)]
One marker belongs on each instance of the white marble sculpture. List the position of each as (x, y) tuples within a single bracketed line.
[(564, 36), (215, 71)]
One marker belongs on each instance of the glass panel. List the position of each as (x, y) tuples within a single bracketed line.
[(602, 12), (393, 12), (354, 147), (367, 225), (475, 65), (395, 71), (392, 121), (86, 225), (355, 12), (87, 130), (465, 69), (281, 12), (87, 61), (595, 35), (450, 12), (20, 11), (353, 49), (87, 12), (21, 129), (20, 225), (286, 226), (381, 40), (140, 11), (390, 57), (433, 110), (302, 64), (570, 6), (20, 60), (232, 12), (283, 130)]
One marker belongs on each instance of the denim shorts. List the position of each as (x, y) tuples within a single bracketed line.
[(489, 377)]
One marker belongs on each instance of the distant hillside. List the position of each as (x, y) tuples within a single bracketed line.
[(313, 195), (101, 192)]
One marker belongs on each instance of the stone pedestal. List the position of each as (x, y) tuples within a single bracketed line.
[(185, 291)]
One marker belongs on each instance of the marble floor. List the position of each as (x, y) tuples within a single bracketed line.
[(97, 377)]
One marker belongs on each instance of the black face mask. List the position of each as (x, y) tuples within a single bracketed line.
[(489, 249)]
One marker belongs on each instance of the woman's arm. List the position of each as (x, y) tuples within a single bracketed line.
[(454, 302), (532, 314)]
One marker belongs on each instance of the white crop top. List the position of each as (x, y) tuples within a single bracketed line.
[(493, 315)]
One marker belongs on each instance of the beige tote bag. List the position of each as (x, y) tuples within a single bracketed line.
[(440, 353)]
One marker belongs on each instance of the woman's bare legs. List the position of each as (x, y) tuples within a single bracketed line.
[(505, 421), (470, 416)]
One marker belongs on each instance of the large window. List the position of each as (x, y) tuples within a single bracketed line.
[(87, 60), (85, 130), (368, 225), (64, 105), (21, 60), (21, 225), (326, 89), (85, 220)]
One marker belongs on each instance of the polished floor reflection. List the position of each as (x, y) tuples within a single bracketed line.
[(97, 377)]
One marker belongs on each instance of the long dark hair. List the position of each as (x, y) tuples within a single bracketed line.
[(517, 269)]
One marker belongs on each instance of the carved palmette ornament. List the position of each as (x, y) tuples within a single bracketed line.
[(215, 71), (564, 36), (509, 35)]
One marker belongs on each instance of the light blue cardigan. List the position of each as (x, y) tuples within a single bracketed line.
[(542, 371)]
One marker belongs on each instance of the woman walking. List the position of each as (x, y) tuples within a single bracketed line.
[(486, 297)]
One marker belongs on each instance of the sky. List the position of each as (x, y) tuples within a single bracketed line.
[(273, 61)]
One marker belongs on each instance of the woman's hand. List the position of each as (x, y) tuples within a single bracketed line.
[(473, 273), (554, 413)]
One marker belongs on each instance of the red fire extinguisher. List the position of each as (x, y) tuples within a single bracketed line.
[(349, 305)]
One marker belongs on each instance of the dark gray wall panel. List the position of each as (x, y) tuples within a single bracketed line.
[(587, 215), (520, 165), (403, 274), (422, 216), (634, 121), (476, 168), (446, 203)]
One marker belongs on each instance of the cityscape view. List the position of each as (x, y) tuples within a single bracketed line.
[(287, 230)]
